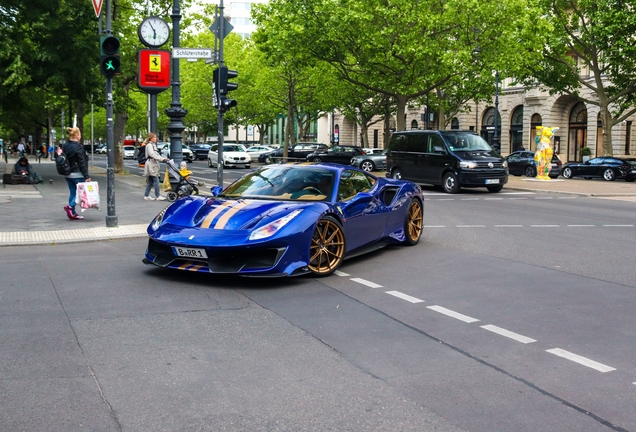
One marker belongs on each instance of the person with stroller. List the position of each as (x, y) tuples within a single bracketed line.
[(151, 168)]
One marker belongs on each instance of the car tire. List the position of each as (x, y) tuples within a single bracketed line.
[(210, 163), (317, 159), (413, 223), (268, 160), (531, 171), (495, 189), (450, 183), (396, 174), (567, 173), (609, 174), (367, 165), (248, 166), (327, 247)]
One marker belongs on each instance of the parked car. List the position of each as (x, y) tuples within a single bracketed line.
[(298, 152), (372, 151), (450, 158), (370, 162), (200, 150), (257, 150), (234, 156), (606, 167), (286, 220), (522, 163), (337, 154), (186, 153), (129, 151), (101, 149)]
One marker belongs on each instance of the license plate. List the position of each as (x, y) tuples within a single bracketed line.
[(492, 181), (189, 252)]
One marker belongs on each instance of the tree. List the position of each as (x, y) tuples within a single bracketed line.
[(399, 48), (597, 36)]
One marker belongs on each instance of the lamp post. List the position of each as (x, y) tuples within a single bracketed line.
[(495, 139), (176, 113)]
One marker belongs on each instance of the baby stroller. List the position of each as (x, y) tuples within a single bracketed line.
[(183, 187)]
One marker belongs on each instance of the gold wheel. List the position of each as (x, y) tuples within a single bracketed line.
[(327, 247), (414, 223)]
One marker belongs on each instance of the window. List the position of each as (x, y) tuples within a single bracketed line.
[(353, 182)]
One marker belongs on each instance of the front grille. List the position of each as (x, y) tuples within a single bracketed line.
[(219, 261), (496, 164)]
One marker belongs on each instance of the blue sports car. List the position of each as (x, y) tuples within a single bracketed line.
[(286, 220)]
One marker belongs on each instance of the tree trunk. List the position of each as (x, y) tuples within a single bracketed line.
[(401, 109), (608, 123), (119, 129), (49, 123), (79, 109), (364, 136), (387, 124)]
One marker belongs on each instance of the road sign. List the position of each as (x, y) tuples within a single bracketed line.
[(227, 27), (192, 53), (153, 75), (97, 5)]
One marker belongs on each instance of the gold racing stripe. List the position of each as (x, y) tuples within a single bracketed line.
[(210, 217), (223, 220)]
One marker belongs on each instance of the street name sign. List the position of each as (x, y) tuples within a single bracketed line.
[(192, 53), (153, 75)]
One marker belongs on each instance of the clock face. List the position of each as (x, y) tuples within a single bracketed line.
[(154, 32)]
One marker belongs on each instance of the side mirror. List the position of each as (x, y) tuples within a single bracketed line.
[(439, 149), (216, 190)]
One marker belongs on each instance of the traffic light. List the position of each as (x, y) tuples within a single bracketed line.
[(222, 86), (109, 56)]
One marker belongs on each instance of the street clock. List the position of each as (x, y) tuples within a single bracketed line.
[(153, 32)]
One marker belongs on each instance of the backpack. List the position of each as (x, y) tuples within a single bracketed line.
[(141, 156), (62, 164)]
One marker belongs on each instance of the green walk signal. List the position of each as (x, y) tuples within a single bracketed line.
[(109, 62)]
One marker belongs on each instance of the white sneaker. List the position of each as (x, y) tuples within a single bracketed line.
[(161, 198), (149, 198)]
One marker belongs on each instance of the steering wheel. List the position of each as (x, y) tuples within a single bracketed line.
[(314, 190)]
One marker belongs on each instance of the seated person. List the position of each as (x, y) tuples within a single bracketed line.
[(187, 174), (23, 168)]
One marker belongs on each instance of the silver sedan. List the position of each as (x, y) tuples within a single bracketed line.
[(370, 162)]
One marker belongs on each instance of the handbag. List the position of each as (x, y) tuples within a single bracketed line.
[(87, 195)]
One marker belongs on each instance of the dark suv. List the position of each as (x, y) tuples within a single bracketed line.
[(452, 159), (298, 152)]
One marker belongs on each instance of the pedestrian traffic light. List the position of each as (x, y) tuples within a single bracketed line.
[(227, 103), (109, 56)]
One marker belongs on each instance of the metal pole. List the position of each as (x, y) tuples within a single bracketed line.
[(153, 114), (495, 139), (176, 113), (220, 163), (92, 131), (427, 111), (111, 218)]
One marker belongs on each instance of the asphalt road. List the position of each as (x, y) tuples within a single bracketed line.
[(515, 313)]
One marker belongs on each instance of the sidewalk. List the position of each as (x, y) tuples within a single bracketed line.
[(35, 215)]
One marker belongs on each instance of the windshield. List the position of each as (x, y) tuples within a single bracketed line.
[(283, 182), (233, 148), (466, 142)]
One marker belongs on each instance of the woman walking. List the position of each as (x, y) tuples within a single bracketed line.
[(79, 169), (151, 168)]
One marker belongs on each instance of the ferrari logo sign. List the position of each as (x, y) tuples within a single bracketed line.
[(153, 75), (97, 5), (155, 63)]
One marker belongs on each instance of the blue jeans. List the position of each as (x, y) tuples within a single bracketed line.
[(150, 182), (72, 187)]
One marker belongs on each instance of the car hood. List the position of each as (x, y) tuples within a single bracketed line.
[(479, 156), (232, 215)]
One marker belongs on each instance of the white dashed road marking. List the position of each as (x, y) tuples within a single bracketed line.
[(340, 273), (544, 226), (406, 297), (471, 226), (581, 360), (508, 334), (453, 314), (628, 225), (508, 226), (579, 226), (366, 282)]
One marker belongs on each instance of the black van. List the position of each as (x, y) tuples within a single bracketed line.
[(451, 158)]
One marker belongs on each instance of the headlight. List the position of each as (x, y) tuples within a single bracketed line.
[(157, 222), (505, 164), (272, 228), (468, 164)]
